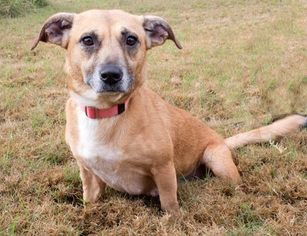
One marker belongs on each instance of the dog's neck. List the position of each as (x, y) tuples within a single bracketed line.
[(95, 113), (100, 108)]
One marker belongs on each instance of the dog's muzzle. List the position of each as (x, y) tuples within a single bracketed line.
[(110, 78)]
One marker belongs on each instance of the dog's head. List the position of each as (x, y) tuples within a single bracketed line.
[(106, 50)]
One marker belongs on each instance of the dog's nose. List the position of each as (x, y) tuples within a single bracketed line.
[(111, 74)]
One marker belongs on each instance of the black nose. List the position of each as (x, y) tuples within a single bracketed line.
[(111, 74)]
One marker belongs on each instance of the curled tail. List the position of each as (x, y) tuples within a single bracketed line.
[(279, 128)]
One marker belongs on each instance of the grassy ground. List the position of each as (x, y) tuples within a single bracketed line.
[(14, 8), (243, 62)]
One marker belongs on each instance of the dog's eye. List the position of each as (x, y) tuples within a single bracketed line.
[(87, 41), (131, 40)]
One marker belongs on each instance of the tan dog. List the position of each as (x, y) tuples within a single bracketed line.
[(121, 133)]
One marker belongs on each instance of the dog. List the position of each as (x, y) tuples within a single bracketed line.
[(121, 133)]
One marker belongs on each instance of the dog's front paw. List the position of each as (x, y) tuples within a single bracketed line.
[(172, 209), (91, 196)]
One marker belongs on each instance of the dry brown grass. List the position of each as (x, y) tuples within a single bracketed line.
[(242, 64)]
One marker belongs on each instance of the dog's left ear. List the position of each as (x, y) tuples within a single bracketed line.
[(56, 30), (158, 31)]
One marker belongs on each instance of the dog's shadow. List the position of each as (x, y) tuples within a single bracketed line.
[(74, 195), (200, 173)]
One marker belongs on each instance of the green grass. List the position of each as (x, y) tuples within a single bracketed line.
[(243, 62)]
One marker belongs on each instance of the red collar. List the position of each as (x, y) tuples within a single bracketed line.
[(96, 113)]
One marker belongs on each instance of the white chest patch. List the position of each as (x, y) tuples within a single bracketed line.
[(108, 162), (101, 158), (91, 144)]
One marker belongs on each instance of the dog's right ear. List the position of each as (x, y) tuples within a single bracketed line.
[(56, 30)]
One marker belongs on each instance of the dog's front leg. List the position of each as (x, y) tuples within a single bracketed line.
[(92, 185), (166, 182)]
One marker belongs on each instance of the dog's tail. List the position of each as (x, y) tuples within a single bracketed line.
[(279, 128)]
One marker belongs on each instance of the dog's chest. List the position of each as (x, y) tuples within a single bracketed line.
[(92, 143), (104, 159)]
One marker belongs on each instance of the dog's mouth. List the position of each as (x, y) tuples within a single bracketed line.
[(109, 91), (101, 88)]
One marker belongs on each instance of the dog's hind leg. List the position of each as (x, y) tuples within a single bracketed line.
[(217, 157)]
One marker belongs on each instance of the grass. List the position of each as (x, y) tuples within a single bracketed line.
[(243, 62), (14, 8)]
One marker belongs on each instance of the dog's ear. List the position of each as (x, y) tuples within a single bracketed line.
[(56, 30), (157, 31)]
